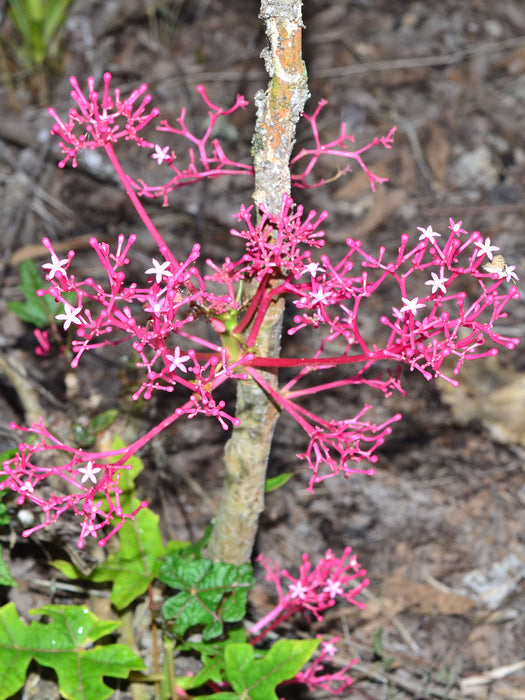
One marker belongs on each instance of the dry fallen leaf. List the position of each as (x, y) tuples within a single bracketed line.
[(424, 598), (491, 394)]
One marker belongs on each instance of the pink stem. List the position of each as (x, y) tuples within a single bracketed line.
[(148, 223)]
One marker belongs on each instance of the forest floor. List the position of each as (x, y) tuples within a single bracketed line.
[(440, 527)]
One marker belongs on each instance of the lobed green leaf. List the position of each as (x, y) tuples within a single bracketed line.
[(211, 594), (256, 679), (65, 644)]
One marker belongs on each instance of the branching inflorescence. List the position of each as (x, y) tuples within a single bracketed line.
[(315, 590), (433, 317)]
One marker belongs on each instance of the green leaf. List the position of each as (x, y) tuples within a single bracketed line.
[(54, 18), (211, 594), (379, 650), (65, 644), (8, 454), (68, 569), (39, 23), (85, 437), (29, 312), (20, 18), (212, 659), (5, 575), (39, 311), (190, 550), (82, 437), (5, 518), (4, 457), (277, 481), (256, 679), (136, 564), (128, 476), (102, 421)]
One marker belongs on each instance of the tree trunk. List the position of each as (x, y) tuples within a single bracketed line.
[(248, 449)]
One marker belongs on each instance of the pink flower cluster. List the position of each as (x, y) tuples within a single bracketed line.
[(90, 484), (315, 590), (310, 594), (316, 676), (102, 121), (192, 330)]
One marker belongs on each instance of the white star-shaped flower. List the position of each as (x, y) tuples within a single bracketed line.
[(161, 154), (177, 361), (313, 268), (70, 316), (397, 313), (455, 226), (411, 305), (89, 472), (28, 486), (428, 233), (156, 304), (333, 588), (298, 590), (485, 248), (320, 296), (438, 282), (510, 273), (160, 270), (55, 266), (329, 648)]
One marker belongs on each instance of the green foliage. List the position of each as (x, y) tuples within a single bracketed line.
[(277, 481), (39, 23), (8, 454), (253, 674), (103, 421), (212, 658), (5, 576), (128, 476), (40, 311), (67, 645), (256, 679), (190, 549), (5, 518), (379, 650), (86, 436), (210, 594), (133, 567)]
